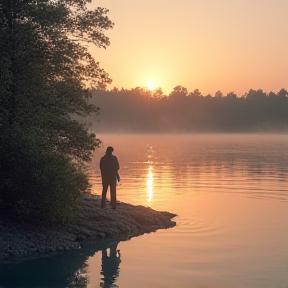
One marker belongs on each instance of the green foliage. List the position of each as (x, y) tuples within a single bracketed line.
[(36, 184), (45, 68)]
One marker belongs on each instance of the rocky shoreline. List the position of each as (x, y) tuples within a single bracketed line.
[(94, 223)]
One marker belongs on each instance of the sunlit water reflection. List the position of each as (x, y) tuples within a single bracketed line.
[(231, 196)]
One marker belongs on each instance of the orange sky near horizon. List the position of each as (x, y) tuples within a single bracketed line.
[(210, 45)]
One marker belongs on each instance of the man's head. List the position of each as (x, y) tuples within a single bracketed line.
[(109, 150)]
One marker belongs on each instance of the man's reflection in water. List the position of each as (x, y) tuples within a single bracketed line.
[(110, 265)]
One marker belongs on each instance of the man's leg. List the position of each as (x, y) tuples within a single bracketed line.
[(104, 192), (113, 194)]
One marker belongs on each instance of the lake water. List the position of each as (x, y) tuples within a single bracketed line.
[(230, 194)]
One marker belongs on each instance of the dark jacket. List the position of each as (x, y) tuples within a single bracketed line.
[(109, 166)]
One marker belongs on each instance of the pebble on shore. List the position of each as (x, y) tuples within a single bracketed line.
[(94, 223)]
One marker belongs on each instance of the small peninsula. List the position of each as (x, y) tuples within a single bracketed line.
[(93, 224)]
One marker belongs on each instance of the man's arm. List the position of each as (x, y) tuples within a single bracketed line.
[(117, 166)]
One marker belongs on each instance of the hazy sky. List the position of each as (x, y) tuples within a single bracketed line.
[(226, 45)]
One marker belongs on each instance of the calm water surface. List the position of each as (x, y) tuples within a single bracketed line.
[(230, 194)]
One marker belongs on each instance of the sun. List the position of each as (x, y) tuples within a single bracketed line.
[(151, 86)]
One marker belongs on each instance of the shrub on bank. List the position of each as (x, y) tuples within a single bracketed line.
[(37, 184)]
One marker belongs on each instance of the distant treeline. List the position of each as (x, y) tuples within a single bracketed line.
[(141, 110)]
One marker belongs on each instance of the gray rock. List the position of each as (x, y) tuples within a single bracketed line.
[(94, 223)]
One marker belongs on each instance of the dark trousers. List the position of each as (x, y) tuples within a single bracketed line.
[(106, 183)]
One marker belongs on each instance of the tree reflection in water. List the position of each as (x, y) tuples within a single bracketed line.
[(64, 270), (80, 278)]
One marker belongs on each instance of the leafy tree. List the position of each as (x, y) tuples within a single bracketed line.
[(272, 95), (256, 94), (142, 91), (45, 69), (158, 93), (231, 95), (283, 93), (218, 94), (195, 94), (179, 91)]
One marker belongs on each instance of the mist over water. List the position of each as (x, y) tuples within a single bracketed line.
[(213, 163), (139, 110), (231, 197)]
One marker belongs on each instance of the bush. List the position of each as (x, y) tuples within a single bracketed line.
[(37, 183)]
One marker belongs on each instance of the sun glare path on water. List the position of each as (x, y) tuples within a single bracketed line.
[(150, 184)]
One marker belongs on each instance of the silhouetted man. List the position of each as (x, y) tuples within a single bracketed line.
[(109, 167)]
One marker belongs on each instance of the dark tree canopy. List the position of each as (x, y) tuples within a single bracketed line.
[(45, 70), (138, 110)]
